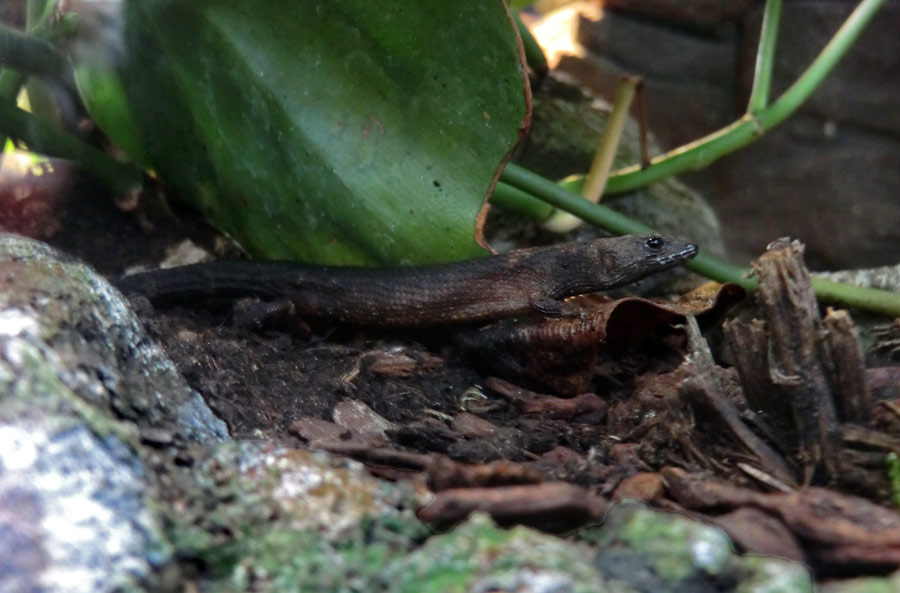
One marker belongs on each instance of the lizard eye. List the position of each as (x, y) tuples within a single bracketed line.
[(655, 243)]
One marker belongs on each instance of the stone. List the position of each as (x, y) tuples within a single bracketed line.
[(77, 378)]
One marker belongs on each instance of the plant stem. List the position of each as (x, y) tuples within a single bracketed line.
[(30, 55), (880, 301), (871, 299), (765, 57), (822, 66), (534, 55), (704, 151), (511, 198), (551, 193), (47, 139), (609, 141), (723, 271), (592, 189), (38, 12), (10, 84)]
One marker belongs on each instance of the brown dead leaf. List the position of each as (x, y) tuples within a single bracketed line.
[(560, 355)]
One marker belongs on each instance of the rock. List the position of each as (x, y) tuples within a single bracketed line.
[(657, 551), (703, 13), (72, 511), (478, 556), (84, 330), (77, 378), (278, 519), (566, 125), (888, 584), (636, 549), (690, 78)]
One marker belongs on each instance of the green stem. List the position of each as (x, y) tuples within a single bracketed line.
[(880, 301), (38, 12), (765, 57), (871, 299), (822, 66), (10, 84), (547, 191), (47, 139), (701, 153), (511, 198), (723, 271), (30, 55), (534, 55)]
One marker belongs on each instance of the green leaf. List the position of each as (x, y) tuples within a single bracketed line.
[(107, 104), (334, 131)]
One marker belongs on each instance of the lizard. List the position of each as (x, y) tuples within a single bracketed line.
[(534, 279)]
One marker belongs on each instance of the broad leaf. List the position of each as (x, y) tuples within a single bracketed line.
[(335, 131)]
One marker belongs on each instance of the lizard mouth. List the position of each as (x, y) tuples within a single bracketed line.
[(677, 257)]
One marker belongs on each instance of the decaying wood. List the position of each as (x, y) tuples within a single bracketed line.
[(875, 440), (748, 342), (703, 386), (839, 533), (758, 532), (883, 385), (795, 365), (446, 474), (847, 362), (645, 486), (813, 368), (377, 456), (530, 403), (819, 515), (551, 506), (888, 337)]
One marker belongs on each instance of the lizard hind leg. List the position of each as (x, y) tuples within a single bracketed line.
[(550, 307)]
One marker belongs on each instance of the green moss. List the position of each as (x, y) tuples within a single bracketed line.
[(258, 518), (892, 468), (675, 546), (888, 584), (478, 551), (774, 575)]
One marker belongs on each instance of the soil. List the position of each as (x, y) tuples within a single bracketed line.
[(261, 381), (415, 404)]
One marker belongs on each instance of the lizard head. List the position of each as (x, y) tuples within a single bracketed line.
[(621, 260)]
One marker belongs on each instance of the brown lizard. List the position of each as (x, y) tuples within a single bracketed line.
[(484, 289)]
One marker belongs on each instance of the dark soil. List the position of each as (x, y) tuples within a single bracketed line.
[(679, 435), (262, 380)]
